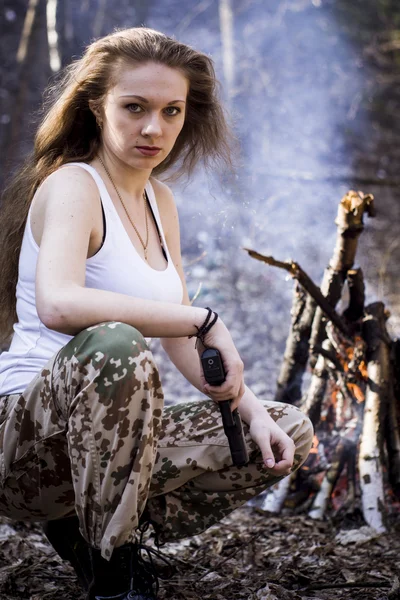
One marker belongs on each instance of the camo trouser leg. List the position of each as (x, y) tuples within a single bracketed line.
[(89, 434), (194, 484), (83, 436)]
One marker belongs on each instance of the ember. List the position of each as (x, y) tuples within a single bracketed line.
[(351, 398)]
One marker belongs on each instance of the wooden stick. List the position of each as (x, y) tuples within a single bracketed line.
[(355, 282), (297, 348), (312, 401), (331, 288), (329, 355), (320, 504), (349, 221), (370, 458), (306, 282)]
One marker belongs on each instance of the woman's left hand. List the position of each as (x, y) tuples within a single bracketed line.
[(277, 448)]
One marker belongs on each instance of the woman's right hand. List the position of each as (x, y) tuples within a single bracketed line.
[(233, 388)]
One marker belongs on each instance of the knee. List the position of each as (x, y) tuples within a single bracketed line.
[(112, 339), (302, 434), (113, 347)]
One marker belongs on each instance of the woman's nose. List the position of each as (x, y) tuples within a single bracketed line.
[(152, 126)]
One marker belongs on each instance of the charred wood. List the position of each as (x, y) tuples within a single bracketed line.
[(297, 348), (329, 355), (344, 448), (312, 401), (331, 288), (355, 282)]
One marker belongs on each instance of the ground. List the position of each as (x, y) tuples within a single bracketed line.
[(250, 555)]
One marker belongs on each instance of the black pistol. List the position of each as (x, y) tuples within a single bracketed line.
[(214, 374)]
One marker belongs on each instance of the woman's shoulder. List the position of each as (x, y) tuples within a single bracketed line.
[(68, 183), (69, 189), (71, 175)]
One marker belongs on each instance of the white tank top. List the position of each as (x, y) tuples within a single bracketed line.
[(116, 267)]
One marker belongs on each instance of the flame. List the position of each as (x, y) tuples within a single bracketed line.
[(363, 369), (357, 392), (334, 396), (315, 444)]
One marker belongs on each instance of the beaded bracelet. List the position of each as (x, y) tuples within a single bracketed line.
[(205, 327)]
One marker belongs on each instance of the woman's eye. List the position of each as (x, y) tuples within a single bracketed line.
[(135, 108), (171, 111)]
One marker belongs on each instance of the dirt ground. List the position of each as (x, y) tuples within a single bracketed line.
[(250, 555)]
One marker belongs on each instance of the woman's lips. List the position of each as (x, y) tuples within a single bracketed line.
[(148, 150)]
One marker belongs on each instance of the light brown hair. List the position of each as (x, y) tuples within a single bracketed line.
[(68, 131)]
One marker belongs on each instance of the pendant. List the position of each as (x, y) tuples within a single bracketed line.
[(145, 254)]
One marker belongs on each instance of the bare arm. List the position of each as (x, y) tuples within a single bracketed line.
[(276, 447), (63, 303)]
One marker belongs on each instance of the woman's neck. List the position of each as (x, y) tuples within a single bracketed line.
[(127, 180)]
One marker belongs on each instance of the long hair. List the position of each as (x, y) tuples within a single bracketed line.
[(68, 131)]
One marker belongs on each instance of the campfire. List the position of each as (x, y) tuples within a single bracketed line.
[(353, 393)]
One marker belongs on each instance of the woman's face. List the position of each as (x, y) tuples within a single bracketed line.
[(144, 113)]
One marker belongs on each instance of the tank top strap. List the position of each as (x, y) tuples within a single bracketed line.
[(154, 206)]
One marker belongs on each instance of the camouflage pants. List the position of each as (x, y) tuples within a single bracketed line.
[(90, 435)]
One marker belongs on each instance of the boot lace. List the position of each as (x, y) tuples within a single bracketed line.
[(146, 572)]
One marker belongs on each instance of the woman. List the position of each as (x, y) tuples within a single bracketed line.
[(91, 266)]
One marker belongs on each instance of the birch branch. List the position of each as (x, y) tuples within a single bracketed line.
[(349, 221), (307, 283), (370, 458)]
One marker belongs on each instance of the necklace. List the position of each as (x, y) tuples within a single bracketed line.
[(127, 214)]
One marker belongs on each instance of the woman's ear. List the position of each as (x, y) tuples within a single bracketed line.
[(95, 110)]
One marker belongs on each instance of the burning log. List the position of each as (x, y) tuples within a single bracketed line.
[(344, 450), (353, 393)]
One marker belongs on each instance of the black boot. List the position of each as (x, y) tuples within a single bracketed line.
[(66, 539), (126, 576)]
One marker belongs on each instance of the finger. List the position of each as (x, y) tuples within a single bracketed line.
[(267, 454), (232, 387), (220, 392), (235, 403), (284, 465)]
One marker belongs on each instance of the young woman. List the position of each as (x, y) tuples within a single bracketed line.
[(91, 266)]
